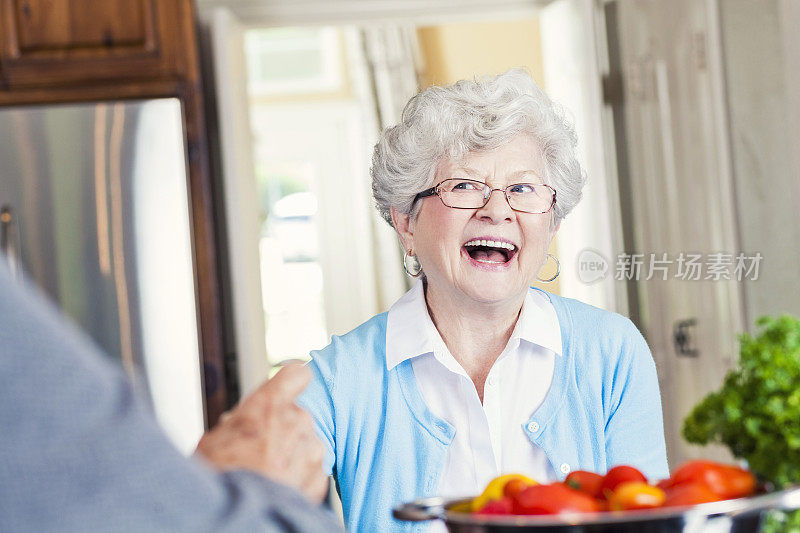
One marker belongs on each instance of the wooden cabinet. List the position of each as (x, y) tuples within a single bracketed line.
[(47, 42), (57, 51)]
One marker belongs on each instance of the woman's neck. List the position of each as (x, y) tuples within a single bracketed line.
[(475, 333)]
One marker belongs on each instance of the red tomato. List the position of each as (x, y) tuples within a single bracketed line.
[(586, 482), (726, 481), (689, 494), (619, 474), (553, 499), (514, 487), (740, 483), (497, 507), (633, 495)]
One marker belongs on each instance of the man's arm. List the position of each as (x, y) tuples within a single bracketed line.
[(79, 452), (269, 434)]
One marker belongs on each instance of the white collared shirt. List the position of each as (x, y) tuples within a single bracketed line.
[(490, 438)]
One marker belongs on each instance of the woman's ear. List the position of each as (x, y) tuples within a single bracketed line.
[(404, 226), (554, 228), (553, 231)]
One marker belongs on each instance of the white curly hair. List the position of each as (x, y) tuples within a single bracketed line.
[(472, 116)]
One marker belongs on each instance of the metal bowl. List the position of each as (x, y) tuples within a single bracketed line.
[(740, 515)]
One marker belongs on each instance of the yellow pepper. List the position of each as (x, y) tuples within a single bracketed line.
[(494, 490)]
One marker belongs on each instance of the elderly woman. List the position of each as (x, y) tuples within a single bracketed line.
[(473, 373)]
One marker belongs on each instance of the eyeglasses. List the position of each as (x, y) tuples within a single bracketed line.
[(534, 198)]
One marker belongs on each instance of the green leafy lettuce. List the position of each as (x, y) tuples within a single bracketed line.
[(756, 412)]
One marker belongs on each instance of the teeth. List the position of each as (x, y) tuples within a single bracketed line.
[(492, 244)]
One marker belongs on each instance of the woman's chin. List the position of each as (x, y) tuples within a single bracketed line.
[(494, 289)]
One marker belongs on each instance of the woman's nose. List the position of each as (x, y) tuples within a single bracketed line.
[(497, 208)]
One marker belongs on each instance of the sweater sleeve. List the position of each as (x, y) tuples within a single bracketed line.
[(80, 452), (635, 427), (317, 399)]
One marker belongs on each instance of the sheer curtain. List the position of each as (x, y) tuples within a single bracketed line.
[(385, 67)]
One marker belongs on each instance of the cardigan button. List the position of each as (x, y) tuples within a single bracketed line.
[(533, 427)]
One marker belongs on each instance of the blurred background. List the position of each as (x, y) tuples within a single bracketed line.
[(190, 179), (685, 112)]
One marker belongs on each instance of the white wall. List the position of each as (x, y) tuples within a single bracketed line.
[(572, 78)]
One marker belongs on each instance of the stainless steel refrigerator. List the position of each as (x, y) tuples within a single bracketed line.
[(94, 209)]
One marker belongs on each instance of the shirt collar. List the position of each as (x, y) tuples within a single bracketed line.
[(407, 332), (410, 331), (538, 322)]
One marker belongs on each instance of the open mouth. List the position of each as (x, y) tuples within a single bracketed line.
[(490, 252)]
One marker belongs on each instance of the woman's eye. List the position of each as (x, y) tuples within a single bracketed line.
[(465, 186), (522, 188)]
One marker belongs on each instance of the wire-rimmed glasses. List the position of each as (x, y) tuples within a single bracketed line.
[(459, 193)]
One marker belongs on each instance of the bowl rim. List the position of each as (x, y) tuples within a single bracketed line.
[(439, 508)]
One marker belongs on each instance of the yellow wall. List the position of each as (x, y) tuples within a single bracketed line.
[(454, 52), (461, 51)]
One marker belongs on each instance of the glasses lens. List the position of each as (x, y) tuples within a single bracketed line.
[(467, 194), (471, 194), (530, 197)]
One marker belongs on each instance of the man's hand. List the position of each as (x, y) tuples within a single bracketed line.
[(269, 434)]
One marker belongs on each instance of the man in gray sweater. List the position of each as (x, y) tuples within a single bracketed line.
[(79, 451)]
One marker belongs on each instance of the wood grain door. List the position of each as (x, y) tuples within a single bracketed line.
[(677, 169)]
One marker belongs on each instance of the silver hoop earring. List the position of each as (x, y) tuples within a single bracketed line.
[(558, 270), (416, 273)]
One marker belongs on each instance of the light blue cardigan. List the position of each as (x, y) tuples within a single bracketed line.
[(384, 446)]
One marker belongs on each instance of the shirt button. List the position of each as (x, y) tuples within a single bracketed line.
[(533, 427), (491, 381), (565, 468)]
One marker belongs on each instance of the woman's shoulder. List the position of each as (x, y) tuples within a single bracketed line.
[(604, 345), (588, 325), (583, 315), (353, 355)]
